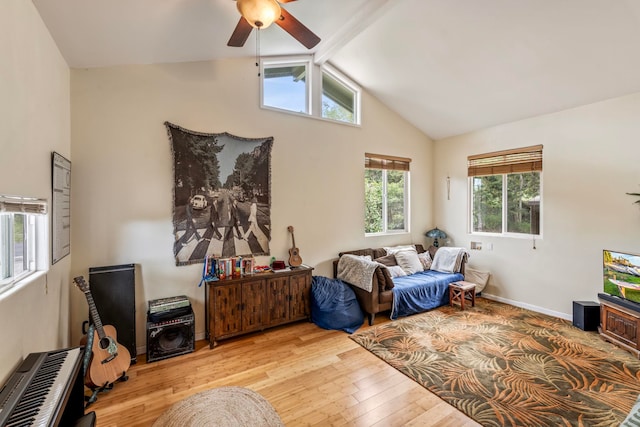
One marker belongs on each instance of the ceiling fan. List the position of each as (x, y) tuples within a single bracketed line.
[(262, 13)]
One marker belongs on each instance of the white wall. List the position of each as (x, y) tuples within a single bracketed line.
[(35, 120), (122, 187), (122, 178), (590, 156)]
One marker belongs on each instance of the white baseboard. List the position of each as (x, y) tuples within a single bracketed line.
[(201, 335), (529, 307)]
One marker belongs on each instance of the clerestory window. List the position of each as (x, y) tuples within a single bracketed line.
[(296, 85), (340, 98), (286, 86)]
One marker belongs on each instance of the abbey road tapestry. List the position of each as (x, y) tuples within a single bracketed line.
[(221, 195)]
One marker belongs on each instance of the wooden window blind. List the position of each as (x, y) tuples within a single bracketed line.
[(380, 161), (27, 205), (518, 160)]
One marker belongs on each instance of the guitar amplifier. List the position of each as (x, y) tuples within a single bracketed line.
[(170, 337)]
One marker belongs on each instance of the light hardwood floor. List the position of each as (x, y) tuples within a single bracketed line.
[(310, 375)]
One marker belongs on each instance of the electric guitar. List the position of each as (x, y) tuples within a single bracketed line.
[(109, 359), (294, 253)]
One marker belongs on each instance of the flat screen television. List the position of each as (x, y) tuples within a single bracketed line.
[(621, 273)]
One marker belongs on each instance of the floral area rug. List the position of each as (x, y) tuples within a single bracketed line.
[(507, 366)]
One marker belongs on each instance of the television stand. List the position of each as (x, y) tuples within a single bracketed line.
[(620, 323)]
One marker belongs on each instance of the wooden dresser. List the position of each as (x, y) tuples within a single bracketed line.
[(620, 323), (251, 303)]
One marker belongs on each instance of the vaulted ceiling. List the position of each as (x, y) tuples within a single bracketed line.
[(447, 66)]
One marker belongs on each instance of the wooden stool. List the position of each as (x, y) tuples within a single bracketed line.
[(461, 291)]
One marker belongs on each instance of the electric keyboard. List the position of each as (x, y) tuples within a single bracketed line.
[(46, 390)]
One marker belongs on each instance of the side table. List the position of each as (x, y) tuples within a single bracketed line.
[(461, 291)]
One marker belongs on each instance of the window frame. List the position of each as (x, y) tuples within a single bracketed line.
[(386, 164), (348, 84), (314, 90), (504, 209), (288, 62), (505, 163), (35, 233)]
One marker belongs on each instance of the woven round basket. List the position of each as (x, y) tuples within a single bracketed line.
[(223, 406)]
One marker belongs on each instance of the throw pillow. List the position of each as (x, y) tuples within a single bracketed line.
[(384, 279), (389, 260), (392, 250), (425, 260), (409, 262), (396, 271), (388, 281)]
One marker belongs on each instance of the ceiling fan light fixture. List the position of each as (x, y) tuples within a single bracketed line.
[(259, 13)]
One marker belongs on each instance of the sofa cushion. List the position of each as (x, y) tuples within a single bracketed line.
[(388, 260), (379, 252), (425, 260), (396, 271), (409, 261), (359, 252), (432, 251), (380, 278), (387, 279), (395, 249), (384, 279)]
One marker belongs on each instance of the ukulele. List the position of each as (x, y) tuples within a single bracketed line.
[(294, 253), (109, 359)]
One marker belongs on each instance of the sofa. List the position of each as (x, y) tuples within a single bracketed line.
[(432, 285)]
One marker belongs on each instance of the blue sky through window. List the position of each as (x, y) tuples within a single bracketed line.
[(285, 93)]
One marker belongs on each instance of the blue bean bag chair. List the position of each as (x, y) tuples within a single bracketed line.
[(334, 305)]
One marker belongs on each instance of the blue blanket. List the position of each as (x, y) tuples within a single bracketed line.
[(421, 291), (334, 305)]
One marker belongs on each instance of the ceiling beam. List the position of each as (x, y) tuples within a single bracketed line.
[(359, 21)]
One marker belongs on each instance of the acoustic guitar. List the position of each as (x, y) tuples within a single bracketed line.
[(294, 253), (109, 359)]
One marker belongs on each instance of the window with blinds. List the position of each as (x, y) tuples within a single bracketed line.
[(505, 188), (386, 194), (23, 205), (22, 237), (528, 159)]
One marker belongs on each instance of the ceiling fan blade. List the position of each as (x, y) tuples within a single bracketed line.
[(240, 34), (299, 32)]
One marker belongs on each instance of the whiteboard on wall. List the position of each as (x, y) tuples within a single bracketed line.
[(61, 207)]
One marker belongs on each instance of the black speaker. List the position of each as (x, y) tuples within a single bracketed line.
[(586, 315), (114, 292), (171, 337)]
